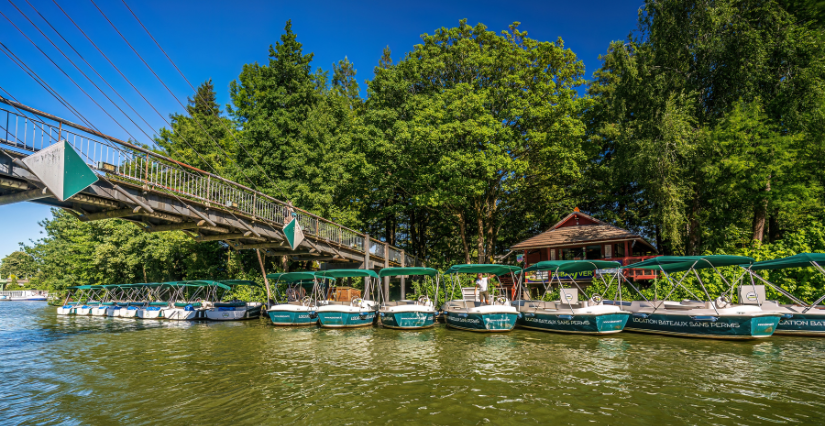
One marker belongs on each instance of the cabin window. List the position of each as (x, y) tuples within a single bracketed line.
[(575, 253), (618, 250), (593, 252)]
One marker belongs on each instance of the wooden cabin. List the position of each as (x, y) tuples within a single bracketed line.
[(580, 236)]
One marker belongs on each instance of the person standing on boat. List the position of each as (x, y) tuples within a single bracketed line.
[(481, 289)]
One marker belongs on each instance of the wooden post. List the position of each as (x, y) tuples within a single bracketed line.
[(266, 281), (387, 265), (403, 280), (366, 264)]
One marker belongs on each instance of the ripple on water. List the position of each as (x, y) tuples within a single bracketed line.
[(91, 370)]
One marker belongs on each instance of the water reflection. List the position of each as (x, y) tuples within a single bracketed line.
[(99, 370)]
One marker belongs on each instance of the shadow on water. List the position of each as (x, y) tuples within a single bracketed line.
[(88, 370)]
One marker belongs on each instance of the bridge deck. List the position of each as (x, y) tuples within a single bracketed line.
[(160, 194)]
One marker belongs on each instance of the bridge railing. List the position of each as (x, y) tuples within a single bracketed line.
[(130, 163)]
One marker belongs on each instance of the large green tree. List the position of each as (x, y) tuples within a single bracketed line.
[(472, 124), (706, 94)]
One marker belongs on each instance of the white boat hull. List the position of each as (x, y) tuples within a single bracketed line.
[(99, 311), (146, 314), (179, 314)]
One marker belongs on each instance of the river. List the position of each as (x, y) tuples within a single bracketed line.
[(90, 370)]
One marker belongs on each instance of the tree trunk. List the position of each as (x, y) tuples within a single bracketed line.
[(480, 245), (490, 252), (695, 236), (773, 227), (761, 214), (462, 227)]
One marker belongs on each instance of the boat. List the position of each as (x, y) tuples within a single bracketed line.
[(410, 314), (568, 314), (88, 300), (472, 315), (798, 318), (299, 307), (187, 299), (153, 304), (358, 311), (232, 310), (107, 300), (118, 300), (24, 296), (701, 318)]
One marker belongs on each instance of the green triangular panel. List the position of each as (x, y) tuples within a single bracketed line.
[(294, 234), (77, 175)]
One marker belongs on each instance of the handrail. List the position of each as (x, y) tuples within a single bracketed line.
[(132, 163)]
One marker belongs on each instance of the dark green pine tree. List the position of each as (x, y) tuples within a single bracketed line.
[(203, 138), (272, 103)]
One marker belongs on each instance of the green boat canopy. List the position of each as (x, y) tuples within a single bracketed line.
[(685, 263), (196, 283), (82, 287), (292, 276), (572, 266), (346, 273), (801, 260), (396, 272), (239, 282), (483, 268)]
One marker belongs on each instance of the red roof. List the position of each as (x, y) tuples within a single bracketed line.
[(578, 228)]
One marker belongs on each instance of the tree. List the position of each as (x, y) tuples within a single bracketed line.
[(471, 125), (662, 97), (204, 139), (18, 264)]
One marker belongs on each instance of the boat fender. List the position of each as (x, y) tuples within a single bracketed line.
[(463, 315), (313, 314), (188, 308), (566, 317), (787, 315), (519, 314), (641, 315), (382, 315), (529, 314)]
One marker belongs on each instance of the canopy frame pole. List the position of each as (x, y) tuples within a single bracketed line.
[(634, 288), (713, 305), (730, 286), (679, 284), (734, 285), (777, 288), (561, 290), (675, 286)]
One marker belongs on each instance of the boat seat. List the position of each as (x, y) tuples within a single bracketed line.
[(185, 304)]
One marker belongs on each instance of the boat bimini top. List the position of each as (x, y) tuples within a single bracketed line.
[(687, 264), (801, 260), (408, 271), (557, 268)]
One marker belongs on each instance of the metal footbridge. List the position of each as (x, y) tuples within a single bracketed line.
[(160, 194)]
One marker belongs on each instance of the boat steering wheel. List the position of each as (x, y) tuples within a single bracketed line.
[(722, 301), (423, 300), (596, 299), (356, 301), (306, 301), (500, 300)]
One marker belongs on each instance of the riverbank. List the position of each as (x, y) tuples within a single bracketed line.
[(91, 370)]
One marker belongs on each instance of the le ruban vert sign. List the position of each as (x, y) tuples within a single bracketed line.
[(61, 169), (293, 232)]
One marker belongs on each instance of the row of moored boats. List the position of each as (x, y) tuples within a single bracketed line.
[(563, 306)]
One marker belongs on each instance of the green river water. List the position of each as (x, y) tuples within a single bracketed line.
[(99, 371)]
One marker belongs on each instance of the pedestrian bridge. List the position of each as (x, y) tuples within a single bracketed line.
[(160, 194)]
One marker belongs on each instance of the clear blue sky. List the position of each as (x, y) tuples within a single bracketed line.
[(214, 39)]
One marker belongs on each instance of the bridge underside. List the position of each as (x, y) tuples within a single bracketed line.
[(156, 211)]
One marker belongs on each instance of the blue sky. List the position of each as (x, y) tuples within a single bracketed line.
[(214, 39)]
